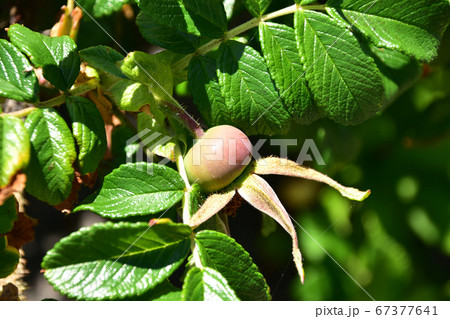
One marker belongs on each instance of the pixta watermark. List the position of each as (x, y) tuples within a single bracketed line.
[(141, 147)]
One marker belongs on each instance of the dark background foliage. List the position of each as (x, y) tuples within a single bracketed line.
[(396, 244)]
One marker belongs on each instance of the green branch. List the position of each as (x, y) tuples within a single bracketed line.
[(214, 44), (60, 99)]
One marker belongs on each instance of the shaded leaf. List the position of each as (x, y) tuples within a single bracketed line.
[(17, 78), (166, 36), (14, 148), (343, 79), (281, 54), (206, 285), (9, 258), (414, 27), (50, 172), (88, 130), (257, 192), (206, 91), (198, 17), (224, 254), (283, 166), (251, 98), (257, 7), (99, 8), (137, 189), (57, 56), (115, 261), (103, 58), (398, 72), (8, 215)]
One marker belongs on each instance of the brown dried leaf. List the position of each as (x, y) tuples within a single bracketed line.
[(9, 293), (257, 192), (283, 166), (22, 231), (103, 105), (89, 179), (17, 184)]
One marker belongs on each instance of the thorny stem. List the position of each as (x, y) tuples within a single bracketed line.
[(185, 118), (214, 44)]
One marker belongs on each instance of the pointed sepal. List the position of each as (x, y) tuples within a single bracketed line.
[(257, 192), (212, 205), (283, 166)]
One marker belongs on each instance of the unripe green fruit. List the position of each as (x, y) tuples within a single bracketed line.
[(218, 158)]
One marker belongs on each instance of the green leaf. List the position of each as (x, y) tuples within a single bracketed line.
[(163, 143), (224, 254), (206, 285), (9, 258), (14, 148), (103, 58), (280, 51), (344, 80), (17, 78), (198, 17), (398, 71), (88, 130), (50, 172), (164, 291), (250, 95), (116, 260), (166, 36), (57, 56), (151, 71), (304, 2), (414, 27), (205, 88), (99, 8), (137, 189), (8, 215), (129, 95), (229, 6), (257, 7)]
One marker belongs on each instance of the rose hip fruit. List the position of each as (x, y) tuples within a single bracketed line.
[(218, 158)]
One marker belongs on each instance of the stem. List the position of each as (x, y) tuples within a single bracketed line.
[(21, 113), (182, 170), (57, 101), (214, 44), (185, 118), (79, 90), (70, 5)]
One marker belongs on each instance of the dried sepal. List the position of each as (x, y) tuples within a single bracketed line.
[(283, 166), (257, 192), (212, 205)]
